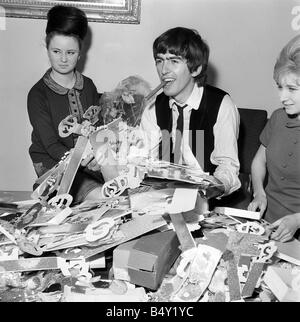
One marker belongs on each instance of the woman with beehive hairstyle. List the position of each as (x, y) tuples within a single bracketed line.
[(60, 92)]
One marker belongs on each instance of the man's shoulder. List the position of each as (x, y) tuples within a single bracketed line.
[(162, 95), (215, 90), (162, 99)]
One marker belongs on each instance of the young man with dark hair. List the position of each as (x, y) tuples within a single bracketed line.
[(189, 111)]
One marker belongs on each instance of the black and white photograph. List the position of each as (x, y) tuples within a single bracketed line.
[(150, 154)]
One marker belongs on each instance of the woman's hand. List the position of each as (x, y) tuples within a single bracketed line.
[(286, 227), (259, 202)]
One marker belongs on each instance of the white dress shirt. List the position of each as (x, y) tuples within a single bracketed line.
[(226, 131)]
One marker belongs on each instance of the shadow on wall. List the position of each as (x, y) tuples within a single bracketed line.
[(85, 48), (212, 75)]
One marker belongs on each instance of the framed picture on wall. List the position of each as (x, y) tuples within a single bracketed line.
[(116, 11)]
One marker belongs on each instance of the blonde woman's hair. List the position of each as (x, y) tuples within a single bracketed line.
[(288, 61)]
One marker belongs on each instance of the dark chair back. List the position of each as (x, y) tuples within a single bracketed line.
[(252, 122)]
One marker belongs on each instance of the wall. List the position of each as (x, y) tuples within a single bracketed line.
[(245, 37)]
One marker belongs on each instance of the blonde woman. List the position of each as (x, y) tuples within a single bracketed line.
[(279, 152)]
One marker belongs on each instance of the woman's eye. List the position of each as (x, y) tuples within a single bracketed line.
[(293, 89)]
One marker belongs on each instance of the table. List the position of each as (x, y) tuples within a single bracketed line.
[(12, 196)]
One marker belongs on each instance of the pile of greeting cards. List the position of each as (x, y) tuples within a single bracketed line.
[(54, 250)]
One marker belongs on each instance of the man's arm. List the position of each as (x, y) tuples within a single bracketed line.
[(225, 153)]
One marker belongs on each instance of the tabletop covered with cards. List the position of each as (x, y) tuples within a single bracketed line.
[(150, 236), (55, 251)]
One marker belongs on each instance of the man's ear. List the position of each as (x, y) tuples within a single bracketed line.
[(197, 71)]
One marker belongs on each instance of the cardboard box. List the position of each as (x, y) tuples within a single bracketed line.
[(256, 215), (146, 260), (289, 251), (283, 283)]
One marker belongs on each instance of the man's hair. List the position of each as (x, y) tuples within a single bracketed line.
[(288, 61), (188, 44)]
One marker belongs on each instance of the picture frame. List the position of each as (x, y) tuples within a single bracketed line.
[(111, 11)]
